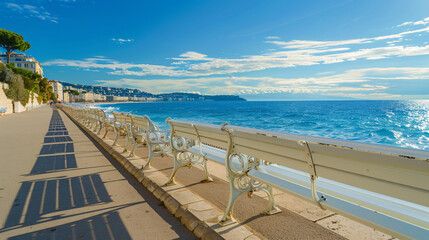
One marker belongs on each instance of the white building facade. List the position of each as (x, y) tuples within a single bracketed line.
[(23, 61), (57, 89)]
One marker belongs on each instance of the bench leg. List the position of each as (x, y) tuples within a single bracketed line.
[(132, 151), (105, 134), (233, 195), (116, 139), (101, 127), (208, 178), (273, 208), (99, 130), (127, 143), (151, 155), (177, 166)]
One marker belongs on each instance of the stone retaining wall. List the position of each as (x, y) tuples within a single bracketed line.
[(7, 103)]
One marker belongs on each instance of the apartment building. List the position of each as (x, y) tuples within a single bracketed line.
[(99, 98), (86, 97), (57, 89), (23, 61)]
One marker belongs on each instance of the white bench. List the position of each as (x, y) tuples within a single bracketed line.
[(87, 117), (144, 131), (122, 125), (383, 187), (103, 121), (94, 119), (195, 143)]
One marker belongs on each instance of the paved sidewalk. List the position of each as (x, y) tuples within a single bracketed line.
[(56, 184)]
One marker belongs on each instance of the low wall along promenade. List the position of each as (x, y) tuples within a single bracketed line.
[(6, 104)]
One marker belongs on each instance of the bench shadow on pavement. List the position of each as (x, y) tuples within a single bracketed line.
[(149, 198), (103, 226), (38, 200), (57, 152)]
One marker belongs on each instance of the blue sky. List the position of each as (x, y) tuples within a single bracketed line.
[(261, 50)]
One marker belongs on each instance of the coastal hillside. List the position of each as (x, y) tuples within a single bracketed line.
[(129, 92)]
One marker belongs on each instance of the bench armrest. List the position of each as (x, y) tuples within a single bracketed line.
[(159, 137)]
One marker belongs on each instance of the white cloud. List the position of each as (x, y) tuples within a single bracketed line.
[(14, 6), (272, 37), (395, 41), (286, 59), (294, 53), (117, 67), (192, 56), (195, 64), (356, 83), (420, 22), (305, 44), (122, 40), (404, 24), (372, 96), (325, 73), (32, 11)]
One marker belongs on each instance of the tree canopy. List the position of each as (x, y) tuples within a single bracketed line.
[(11, 42), (72, 91)]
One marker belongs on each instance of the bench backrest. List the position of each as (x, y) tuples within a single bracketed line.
[(122, 120), (395, 172), (208, 134), (87, 113), (102, 116), (139, 124), (151, 125)]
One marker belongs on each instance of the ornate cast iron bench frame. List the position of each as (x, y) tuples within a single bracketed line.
[(383, 187), (195, 143), (122, 125), (146, 132)]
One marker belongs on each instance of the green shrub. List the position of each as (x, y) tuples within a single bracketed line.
[(16, 90), (31, 80), (53, 96)]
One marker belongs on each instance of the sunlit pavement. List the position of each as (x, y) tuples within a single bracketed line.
[(56, 184)]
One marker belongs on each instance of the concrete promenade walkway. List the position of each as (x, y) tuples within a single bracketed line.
[(56, 184)]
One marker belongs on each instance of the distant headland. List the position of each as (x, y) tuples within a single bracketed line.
[(89, 93)]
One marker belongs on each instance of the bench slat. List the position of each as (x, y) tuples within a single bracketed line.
[(282, 160), (416, 161), (388, 173), (403, 192), (362, 207), (292, 150), (189, 130), (140, 122), (186, 134), (211, 153)]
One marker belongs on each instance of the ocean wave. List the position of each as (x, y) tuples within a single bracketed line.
[(110, 109)]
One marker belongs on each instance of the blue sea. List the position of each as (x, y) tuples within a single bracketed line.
[(394, 123)]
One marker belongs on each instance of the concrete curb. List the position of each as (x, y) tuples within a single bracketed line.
[(192, 223)]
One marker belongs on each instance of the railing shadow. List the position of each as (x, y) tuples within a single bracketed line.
[(47, 196), (103, 226), (57, 153), (38, 201)]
